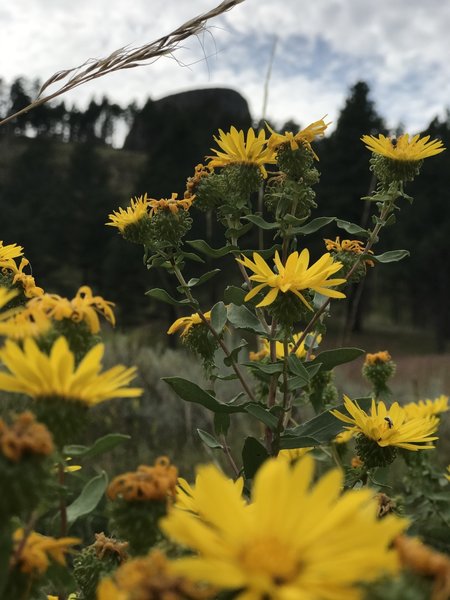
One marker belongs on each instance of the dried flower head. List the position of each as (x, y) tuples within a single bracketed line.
[(24, 437), (147, 483)]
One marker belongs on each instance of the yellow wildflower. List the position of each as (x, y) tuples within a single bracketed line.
[(150, 577), (147, 483), (294, 276), (403, 148), (274, 547), (189, 497), (354, 246), (137, 210), (305, 136), (36, 374), (84, 307), (186, 323), (30, 321), (26, 282), (301, 351), (171, 204), (8, 254), (24, 437), (389, 426), (345, 436), (237, 150), (427, 408), (35, 555), (377, 357)]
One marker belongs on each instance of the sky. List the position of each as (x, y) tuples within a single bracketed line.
[(322, 47)]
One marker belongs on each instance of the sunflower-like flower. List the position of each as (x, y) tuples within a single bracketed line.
[(147, 483), (404, 148), (186, 323), (300, 352), (293, 277), (235, 149), (19, 324), (8, 253), (426, 408), (171, 204), (134, 213), (150, 576), (389, 426), (274, 547), (303, 137), (38, 550), (84, 307), (24, 280), (38, 375)]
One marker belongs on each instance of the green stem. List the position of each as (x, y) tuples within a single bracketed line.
[(220, 341)]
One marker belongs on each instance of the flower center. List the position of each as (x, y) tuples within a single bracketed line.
[(271, 557)]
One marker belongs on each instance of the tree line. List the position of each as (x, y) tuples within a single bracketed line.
[(59, 179)]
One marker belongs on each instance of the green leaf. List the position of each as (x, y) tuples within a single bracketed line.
[(100, 446), (294, 220), (253, 456), (314, 225), (204, 248), (192, 256), (162, 295), (318, 430), (266, 368), (391, 256), (262, 414), (218, 316), (237, 232), (191, 392), (222, 423), (234, 295), (234, 354), (260, 222), (268, 253), (209, 440), (242, 318), (333, 358), (195, 281), (90, 496), (352, 228)]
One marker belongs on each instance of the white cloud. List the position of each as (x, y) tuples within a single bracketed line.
[(400, 47)]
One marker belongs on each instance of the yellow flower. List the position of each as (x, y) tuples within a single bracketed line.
[(148, 577), (147, 483), (27, 282), (345, 436), (355, 246), (36, 374), (35, 555), (137, 210), (24, 437), (186, 323), (294, 454), (389, 427), (427, 408), (171, 204), (237, 150), (294, 540), (187, 496), (305, 136), (8, 254), (378, 357), (294, 276), (84, 307), (301, 351), (403, 148), (19, 324)]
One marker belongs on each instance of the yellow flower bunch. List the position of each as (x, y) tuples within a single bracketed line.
[(38, 550), (389, 426), (84, 307), (134, 213), (171, 204), (294, 276), (236, 149), (24, 280), (293, 540), (8, 253), (38, 375), (147, 483), (305, 136), (300, 352), (186, 323), (404, 148), (20, 323), (427, 408), (354, 246)]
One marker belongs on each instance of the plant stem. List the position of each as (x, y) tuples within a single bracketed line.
[(220, 341), (229, 456), (62, 502)]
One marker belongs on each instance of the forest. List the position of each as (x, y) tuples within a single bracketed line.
[(61, 174)]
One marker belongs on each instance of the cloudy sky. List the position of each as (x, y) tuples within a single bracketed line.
[(400, 47)]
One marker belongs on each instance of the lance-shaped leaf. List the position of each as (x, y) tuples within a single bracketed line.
[(234, 295), (218, 317), (242, 318), (89, 498), (209, 440), (352, 228), (318, 430), (100, 446), (332, 358), (160, 294), (191, 392), (391, 256), (204, 248), (196, 281), (314, 225), (260, 222), (262, 414)]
